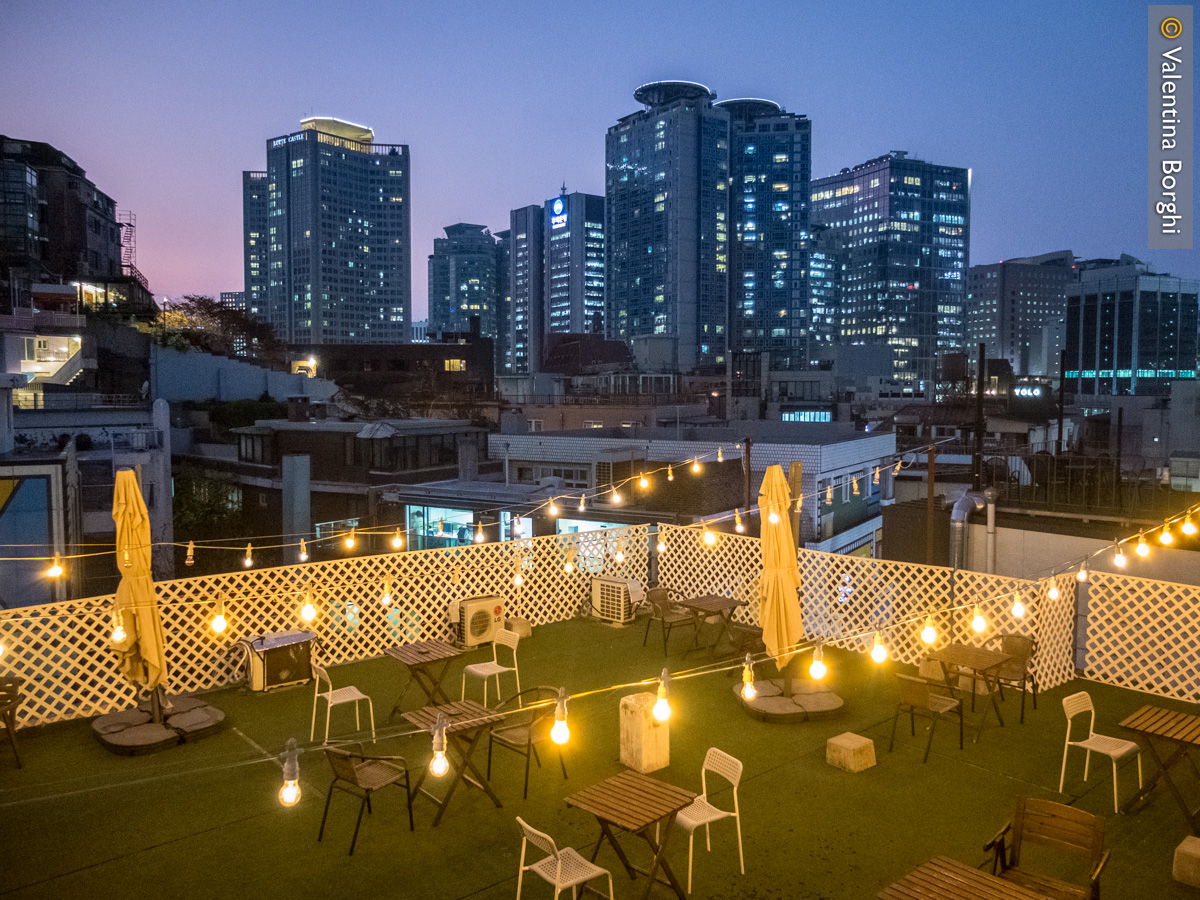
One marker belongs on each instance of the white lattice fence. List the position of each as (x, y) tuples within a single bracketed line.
[(1144, 635), (63, 651)]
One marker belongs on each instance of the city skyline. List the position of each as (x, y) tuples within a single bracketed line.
[(499, 113)]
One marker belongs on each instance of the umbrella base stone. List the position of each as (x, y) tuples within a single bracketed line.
[(131, 733), (808, 702), (138, 739)]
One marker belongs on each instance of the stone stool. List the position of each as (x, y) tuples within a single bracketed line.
[(1186, 869), (850, 751)]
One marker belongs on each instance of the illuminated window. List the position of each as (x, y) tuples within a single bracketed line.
[(455, 365)]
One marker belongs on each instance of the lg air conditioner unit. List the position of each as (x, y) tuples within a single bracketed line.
[(611, 600), (479, 618)]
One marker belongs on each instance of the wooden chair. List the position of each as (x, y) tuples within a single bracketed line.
[(332, 698), (524, 729), (486, 670), (10, 701), (930, 700), (563, 868), (1055, 825), (356, 773), (702, 812), (1114, 748), (1017, 673), (664, 610)]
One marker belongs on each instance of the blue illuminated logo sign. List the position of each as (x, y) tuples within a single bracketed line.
[(558, 213)]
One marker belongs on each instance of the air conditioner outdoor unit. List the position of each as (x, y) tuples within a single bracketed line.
[(479, 618), (611, 600)]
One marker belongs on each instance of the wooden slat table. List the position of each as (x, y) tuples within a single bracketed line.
[(635, 803), (427, 661), (1181, 732), (943, 878), (467, 723), (710, 605), (984, 665)]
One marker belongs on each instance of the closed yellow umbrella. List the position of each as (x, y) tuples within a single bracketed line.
[(779, 608), (142, 654)]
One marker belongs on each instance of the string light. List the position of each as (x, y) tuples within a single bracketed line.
[(1053, 593), (643, 482), (1142, 549), (773, 517), (517, 527), (696, 466), (386, 600), (929, 633), (720, 456), (662, 708), (710, 539), (518, 578), (553, 509), (854, 484), (569, 565), (878, 651), (126, 562), (737, 522), (619, 556), (875, 480), (1188, 527), (479, 533), (978, 622), (1166, 538), (560, 733), (441, 528), (1018, 608), (456, 576), (350, 539), (1119, 557), (749, 691), (289, 794), (55, 569), (397, 540), (190, 560), (662, 546), (439, 765), (800, 503), (1082, 574), (616, 497), (218, 623), (670, 474), (896, 468), (582, 504), (829, 495), (308, 612), (249, 559), (118, 632), (817, 670), (303, 551)]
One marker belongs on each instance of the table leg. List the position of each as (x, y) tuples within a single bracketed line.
[(606, 834), (660, 860), (993, 689), (1164, 767), (697, 624), (468, 765)]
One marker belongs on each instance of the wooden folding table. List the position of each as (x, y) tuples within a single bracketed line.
[(466, 724), (983, 664), (427, 662), (943, 878), (710, 605), (1180, 732)]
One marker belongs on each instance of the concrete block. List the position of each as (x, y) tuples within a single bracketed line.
[(645, 741), (850, 751), (1186, 869)]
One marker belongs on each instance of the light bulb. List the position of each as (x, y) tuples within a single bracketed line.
[(219, 624), (875, 480), (662, 709), (800, 503), (1018, 608), (619, 556), (55, 569), (1142, 549), (670, 474), (737, 522), (439, 765), (479, 533), (1166, 538), (303, 551), (643, 482), (517, 527), (720, 455), (1053, 593), (441, 528), (553, 510), (249, 560), (1082, 574), (518, 579), (749, 691), (978, 622), (896, 468), (817, 670), (1119, 559), (191, 554), (829, 495), (289, 794), (308, 612), (710, 538), (854, 484), (773, 517), (616, 497), (1188, 527), (125, 560), (929, 633), (878, 651), (582, 504), (662, 547), (398, 540), (569, 566), (386, 599), (350, 542), (118, 632), (696, 466), (1, 649), (560, 733)]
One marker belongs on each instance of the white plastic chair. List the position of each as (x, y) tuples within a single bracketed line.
[(702, 812), (1114, 748), (486, 670), (563, 868), (332, 698)]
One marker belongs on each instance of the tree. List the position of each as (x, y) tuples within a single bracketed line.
[(209, 325)]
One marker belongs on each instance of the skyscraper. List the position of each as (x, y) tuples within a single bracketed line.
[(527, 321), (903, 227), (1008, 303), (338, 239), (462, 280), (254, 242), (666, 180), (574, 268), (770, 169)]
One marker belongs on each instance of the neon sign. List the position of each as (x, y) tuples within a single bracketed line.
[(558, 213)]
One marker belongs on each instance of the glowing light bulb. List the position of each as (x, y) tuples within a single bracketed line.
[(670, 474), (737, 522), (582, 504), (350, 542), (303, 551), (829, 495), (517, 527), (55, 569), (1166, 538), (616, 497), (1082, 574), (662, 547), (619, 556), (800, 503), (749, 691), (1142, 549), (218, 623), (518, 579), (312, 360), (929, 633), (896, 468), (710, 539), (569, 565), (386, 599), (125, 560), (249, 559), (553, 510), (818, 669), (878, 651), (479, 533), (662, 708), (308, 612), (397, 540), (720, 455), (696, 466), (1119, 559), (1018, 608), (773, 517), (289, 794), (643, 482), (560, 733), (441, 528), (1, 649), (1053, 593), (439, 765), (118, 632), (854, 484), (191, 554), (1188, 527), (978, 622), (875, 480)]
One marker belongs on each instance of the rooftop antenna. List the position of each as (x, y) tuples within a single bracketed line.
[(564, 189)]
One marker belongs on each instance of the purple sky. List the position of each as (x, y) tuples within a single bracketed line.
[(164, 104)]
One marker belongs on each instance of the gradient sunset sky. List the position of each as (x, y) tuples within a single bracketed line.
[(164, 104)]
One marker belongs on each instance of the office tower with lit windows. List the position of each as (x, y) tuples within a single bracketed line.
[(462, 281), (667, 234), (503, 301), (254, 242), (338, 237), (526, 322), (770, 169), (574, 266), (1009, 302), (903, 228)]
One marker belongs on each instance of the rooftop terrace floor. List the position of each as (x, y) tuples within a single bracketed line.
[(202, 820)]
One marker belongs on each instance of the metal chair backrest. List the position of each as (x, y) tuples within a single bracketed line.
[(660, 599), (543, 842), (10, 690), (1077, 704), (343, 765), (1020, 648), (528, 707), (720, 762), (1057, 825)]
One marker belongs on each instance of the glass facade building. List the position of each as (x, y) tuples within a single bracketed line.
[(254, 242), (338, 236), (463, 280), (667, 234), (526, 323), (574, 264), (902, 229)]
